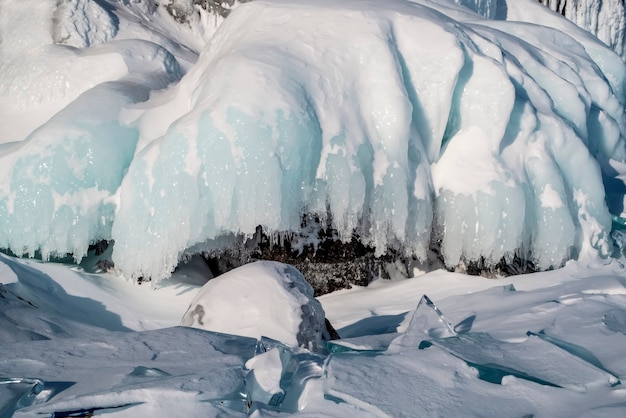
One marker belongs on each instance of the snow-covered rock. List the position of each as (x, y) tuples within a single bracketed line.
[(261, 299)]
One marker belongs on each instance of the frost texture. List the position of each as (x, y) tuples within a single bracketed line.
[(82, 23), (399, 123)]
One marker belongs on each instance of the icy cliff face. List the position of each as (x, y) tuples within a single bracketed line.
[(381, 119), (604, 18), (402, 124)]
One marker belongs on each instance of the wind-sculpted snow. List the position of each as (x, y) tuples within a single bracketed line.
[(403, 124)]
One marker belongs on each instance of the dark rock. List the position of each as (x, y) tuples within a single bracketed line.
[(99, 247), (327, 263), (181, 10), (332, 332)]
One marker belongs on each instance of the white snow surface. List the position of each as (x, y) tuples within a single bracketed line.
[(545, 344), (396, 119)]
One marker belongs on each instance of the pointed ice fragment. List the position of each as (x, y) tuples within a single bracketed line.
[(278, 375), (427, 322), (263, 381), (534, 359)]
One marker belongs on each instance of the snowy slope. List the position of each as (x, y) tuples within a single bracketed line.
[(404, 124)]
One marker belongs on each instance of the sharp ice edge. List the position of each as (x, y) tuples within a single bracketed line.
[(297, 367), (493, 359), (426, 301), (426, 322), (26, 394)]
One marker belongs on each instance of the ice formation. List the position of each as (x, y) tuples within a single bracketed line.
[(402, 124), (605, 19), (542, 344)]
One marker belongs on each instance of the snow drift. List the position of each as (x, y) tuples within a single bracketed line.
[(402, 124)]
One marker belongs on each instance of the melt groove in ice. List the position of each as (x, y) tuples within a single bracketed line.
[(398, 121)]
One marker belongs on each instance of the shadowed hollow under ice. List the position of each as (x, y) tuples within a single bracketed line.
[(401, 122)]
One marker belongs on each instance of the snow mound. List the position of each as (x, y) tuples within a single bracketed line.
[(261, 299)]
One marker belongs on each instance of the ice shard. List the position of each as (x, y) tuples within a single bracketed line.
[(279, 374), (427, 322), (534, 359), (16, 393)]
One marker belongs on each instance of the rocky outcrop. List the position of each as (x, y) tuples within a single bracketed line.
[(327, 262), (182, 9)]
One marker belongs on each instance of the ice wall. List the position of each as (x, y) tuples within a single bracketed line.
[(63, 148), (402, 124), (606, 19), (384, 119), (491, 9)]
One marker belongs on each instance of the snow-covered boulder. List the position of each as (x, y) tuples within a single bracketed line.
[(261, 299)]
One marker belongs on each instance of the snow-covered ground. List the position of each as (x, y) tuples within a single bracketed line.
[(546, 344)]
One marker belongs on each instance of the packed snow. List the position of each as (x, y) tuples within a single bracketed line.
[(403, 124)]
